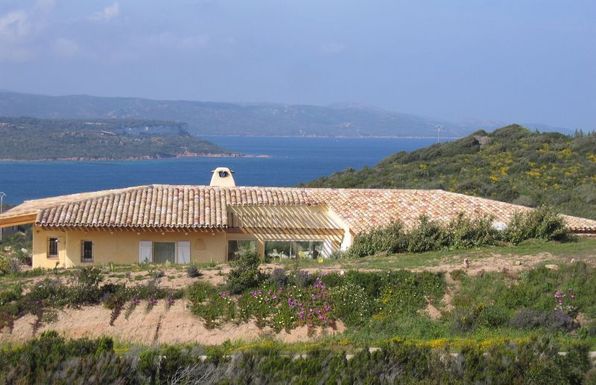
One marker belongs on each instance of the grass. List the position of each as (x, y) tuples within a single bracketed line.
[(531, 289), (582, 248)]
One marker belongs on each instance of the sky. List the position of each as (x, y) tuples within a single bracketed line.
[(509, 61)]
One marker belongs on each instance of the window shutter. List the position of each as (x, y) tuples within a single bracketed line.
[(145, 251), (184, 252)]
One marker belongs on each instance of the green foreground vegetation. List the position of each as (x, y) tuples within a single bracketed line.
[(511, 164), (52, 360), (427, 326), (504, 314)]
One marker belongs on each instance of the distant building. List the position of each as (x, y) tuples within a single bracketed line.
[(184, 224)]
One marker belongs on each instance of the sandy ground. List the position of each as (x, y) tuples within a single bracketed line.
[(178, 325), (175, 325)]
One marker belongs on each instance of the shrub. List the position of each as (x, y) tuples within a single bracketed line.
[(209, 304), (279, 278), (245, 273), (302, 278), (541, 223), (9, 265), (52, 360), (351, 304), (390, 239), (115, 299), (427, 236), (193, 271), (463, 232), (470, 318), (553, 320)]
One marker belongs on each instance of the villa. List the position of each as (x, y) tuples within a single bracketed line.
[(184, 224)]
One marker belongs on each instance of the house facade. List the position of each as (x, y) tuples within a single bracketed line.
[(215, 223)]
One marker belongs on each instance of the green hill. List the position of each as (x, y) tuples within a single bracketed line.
[(511, 164), (35, 139)]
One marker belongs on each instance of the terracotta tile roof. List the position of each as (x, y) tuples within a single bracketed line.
[(205, 207), (165, 206), (366, 209)]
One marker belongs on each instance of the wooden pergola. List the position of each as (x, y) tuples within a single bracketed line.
[(281, 223)]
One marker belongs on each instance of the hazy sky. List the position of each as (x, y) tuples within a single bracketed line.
[(505, 60)]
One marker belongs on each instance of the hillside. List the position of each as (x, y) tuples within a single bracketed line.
[(35, 139), (209, 118), (511, 164)]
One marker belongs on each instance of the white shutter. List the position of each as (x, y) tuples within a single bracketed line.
[(184, 252), (145, 251)]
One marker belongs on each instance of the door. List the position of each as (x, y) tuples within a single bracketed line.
[(184, 252), (145, 251), (164, 252)]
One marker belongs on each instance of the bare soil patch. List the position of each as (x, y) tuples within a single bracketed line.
[(174, 325)]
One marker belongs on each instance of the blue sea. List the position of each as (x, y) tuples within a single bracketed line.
[(290, 161)]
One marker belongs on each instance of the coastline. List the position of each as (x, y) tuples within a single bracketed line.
[(332, 137), (139, 158)]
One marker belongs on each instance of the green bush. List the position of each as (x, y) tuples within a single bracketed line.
[(427, 236), (461, 232), (52, 360), (542, 223), (245, 273), (390, 239), (208, 303), (351, 304)]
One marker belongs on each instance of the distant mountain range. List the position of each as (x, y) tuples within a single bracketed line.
[(52, 139), (257, 119)]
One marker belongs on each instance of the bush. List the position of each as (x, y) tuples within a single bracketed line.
[(279, 277), (427, 236), (390, 239), (461, 232), (302, 278), (193, 271), (9, 265), (541, 223), (470, 318), (351, 304), (52, 360), (552, 320), (245, 273)]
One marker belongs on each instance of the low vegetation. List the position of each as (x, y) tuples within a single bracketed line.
[(511, 164), (58, 361), (432, 327)]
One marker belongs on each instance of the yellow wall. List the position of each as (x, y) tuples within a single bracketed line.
[(123, 247)]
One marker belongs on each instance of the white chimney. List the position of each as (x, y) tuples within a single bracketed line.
[(222, 177)]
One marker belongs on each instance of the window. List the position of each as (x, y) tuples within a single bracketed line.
[(237, 248), (293, 249), (52, 247), (86, 251), (164, 252)]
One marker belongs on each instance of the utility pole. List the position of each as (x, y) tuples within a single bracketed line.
[(439, 127), (2, 196)]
